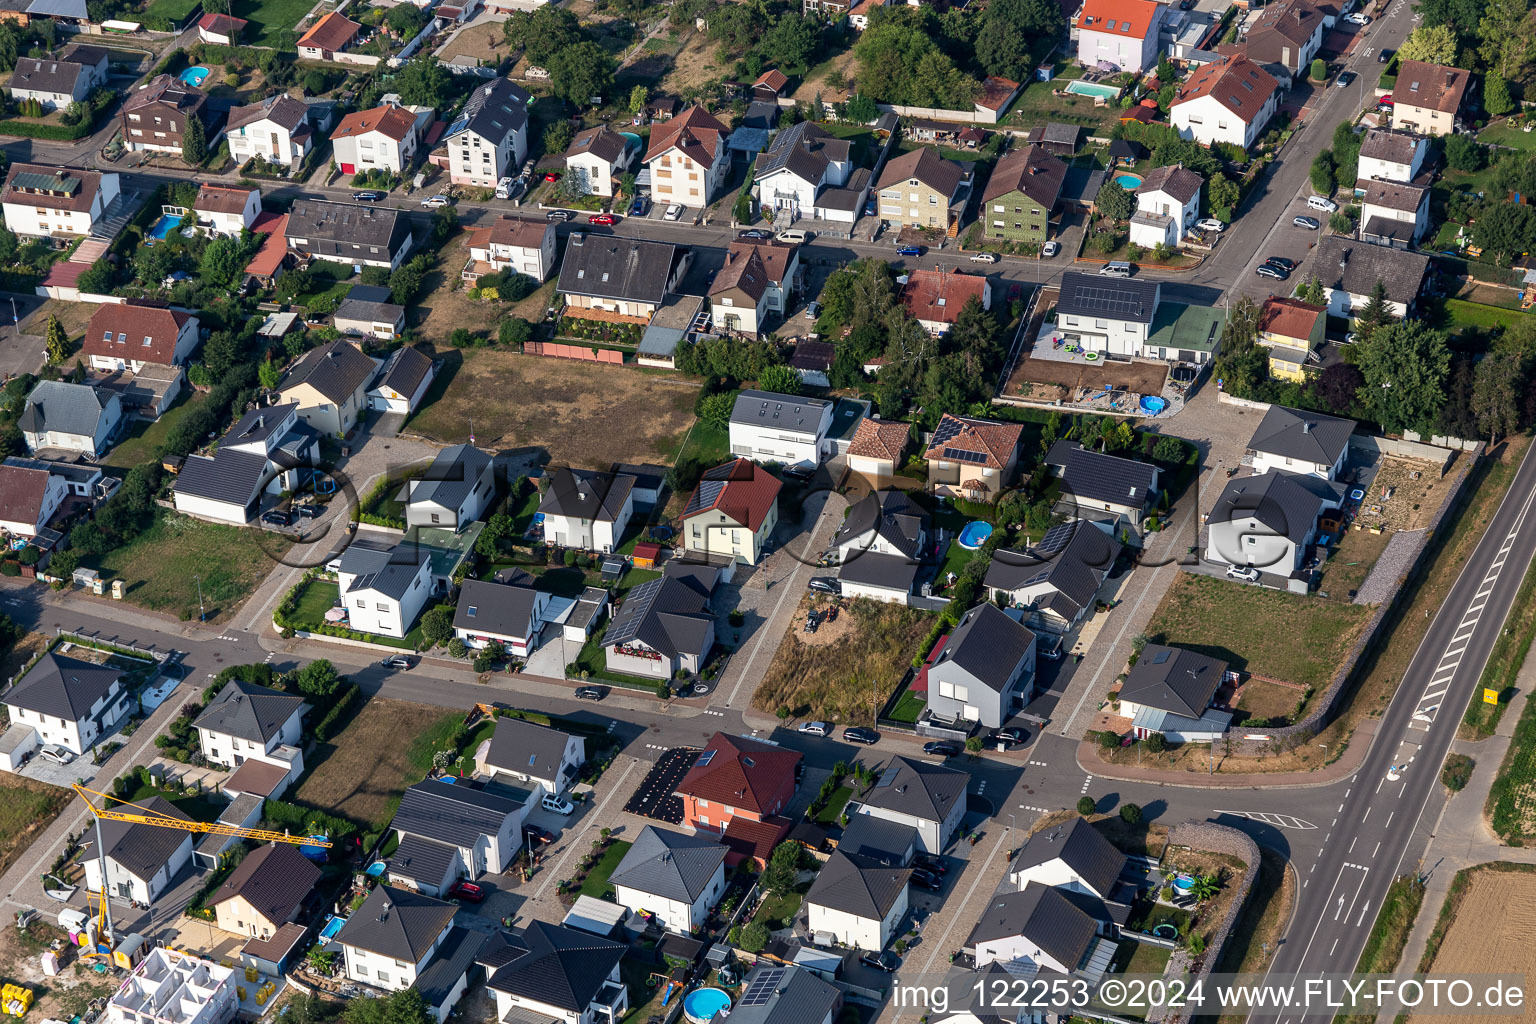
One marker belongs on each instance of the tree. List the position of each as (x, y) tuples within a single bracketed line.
[(716, 409), (437, 626), (424, 82), (221, 354), (318, 679), (1115, 202), (754, 937), (1243, 363), (1464, 153), (1224, 195), (1376, 313), (403, 1007), (1337, 386), (1168, 451), (405, 283), (1405, 366), (780, 380), (1130, 813), (1433, 44), (1312, 291), (269, 374), (558, 136), (1322, 173), (741, 211), (316, 81), (783, 867), (1461, 16), (194, 142), (1507, 37), (514, 330), (639, 96), (861, 109), (899, 62), (1319, 69), (793, 41), (404, 20), (1014, 35), (581, 72), (543, 33), (1496, 98), (222, 261), (56, 342), (1086, 805), (1497, 389)]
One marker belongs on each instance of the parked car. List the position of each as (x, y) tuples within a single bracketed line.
[(931, 863), (469, 892), (1273, 273), (826, 584), (1211, 224), (1357, 18), (984, 257), (57, 754), (1050, 249), (368, 197), (399, 661), (812, 310), (941, 748), (436, 201), (640, 207), (870, 207), (535, 834), (551, 175), (504, 187), (602, 218), (815, 728), (1385, 55), (276, 517), (1345, 78), (800, 471), (927, 880), (755, 233), (308, 511), (1245, 573), (1011, 735), (559, 215), (885, 960), (674, 212), (557, 805), (1322, 204), (1305, 222), (1281, 262), (860, 734), (910, 250), (589, 693)]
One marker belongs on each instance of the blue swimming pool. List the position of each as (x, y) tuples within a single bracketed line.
[(974, 534), (163, 227), (703, 1005), (1095, 89), (1129, 182), (195, 76), (1152, 404), (333, 924)]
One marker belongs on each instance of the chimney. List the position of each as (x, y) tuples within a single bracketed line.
[(1306, 426)]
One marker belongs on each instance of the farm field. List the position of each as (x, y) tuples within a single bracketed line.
[(1483, 925)]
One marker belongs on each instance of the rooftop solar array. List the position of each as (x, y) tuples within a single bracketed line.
[(762, 987)]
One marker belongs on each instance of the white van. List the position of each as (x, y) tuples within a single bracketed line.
[(795, 235), (1115, 268), (1319, 203), (556, 805)]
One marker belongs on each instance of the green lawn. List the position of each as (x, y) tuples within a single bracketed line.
[(1476, 314), (709, 444), (1502, 134), (198, 807), (832, 814), (596, 883), (319, 597), (955, 559), (1148, 959), (779, 908), (909, 708), (267, 18), (177, 10), (145, 437)]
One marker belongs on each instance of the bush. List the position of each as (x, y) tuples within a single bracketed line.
[(754, 937), (1457, 772), (1086, 805), (1130, 813), (1157, 743), (327, 726)]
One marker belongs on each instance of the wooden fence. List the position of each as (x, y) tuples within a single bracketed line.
[(557, 350)]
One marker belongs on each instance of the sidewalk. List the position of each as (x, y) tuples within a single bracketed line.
[(1347, 764)]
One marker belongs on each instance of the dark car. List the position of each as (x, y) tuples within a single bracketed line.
[(1273, 273), (927, 880), (469, 892), (559, 215), (309, 511), (931, 864), (276, 518), (368, 197), (1282, 263), (1385, 56), (535, 834), (885, 960), (799, 471), (941, 748), (589, 693), (910, 250), (1011, 735), (1345, 78), (826, 584), (860, 734), (640, 207)]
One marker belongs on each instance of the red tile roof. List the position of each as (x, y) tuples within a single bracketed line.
[(880, 439), (747, 838), (391, 121), (741, 772), (223, 199), (938, 297), (773, 79), (130, 328), (1289, 318), (1432, 86), (1236, 82), (222, 24), (741, 489), (695, 131), (520, 232), (995, 442), (1129, 18), (273, 248), (996, 93), (332, 32), (21, 494)]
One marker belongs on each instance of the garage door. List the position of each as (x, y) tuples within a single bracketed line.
[(348, 169)]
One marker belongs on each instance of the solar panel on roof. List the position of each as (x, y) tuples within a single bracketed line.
[(888, 776), (761, 989), (961, 455), (705, 758)]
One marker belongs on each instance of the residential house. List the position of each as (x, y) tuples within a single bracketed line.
[(1185, 333), (388, 941), (1387, 155), (403, 382), (512, 616), (220, 29), (1428, 97), (381, 139), (54, 82), (1075, 857), (928, 797), (587, 509), (1349, 271), (857, 901), (332, 34), (986, 671), (972, 458), (518, 244), (456, 489), (489, 139), (1392, 213), (802, 163), (539, 756), (1269, 522), (66, 15), (29, 496), (369, 318), (1167, 206), (330, 385), (858, 14), (936, 297), (737, 777), (878, 450), (1300, 441), (921, 189), (454, 830), (1228, 100), (757, 279), (766, 427), (688, 159), (248, 722), (1293, 331), (1110, 316), (664, 627), (1093, 483), (1057, 581), (68, 702), (43, 202), (1119, 32), (1022, 194), (226, 211), (732, 512), (1170, 690), (155, 116), (74, 417), (553, 973), (383, 591), (141, 860), (879, 577), (264, 892), (883, 522), (606, 277), (127, 336), (865, 835), (1039, 927), (675, 877), (276, 129), (348, 233), (598, 157), (265, 452), (784, 994), (1286, 34)]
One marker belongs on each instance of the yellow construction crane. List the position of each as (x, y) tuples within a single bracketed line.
[(150, 816)]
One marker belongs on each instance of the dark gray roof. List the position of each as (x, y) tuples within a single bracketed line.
[(1044, 917), (586, 494), (63, 687), (874, 569), (783, 412), (249, 711), (143, 849), (390, 572), (46, 75), (493, 110), (669, 865), (610, 267), (449, 964), (666, 615), (404, 370), (1081, 847), (64, 408), (333, 229), (805, 150), (1302, 435), (229, 476), (84, 53), (486, 607), (923, 790), (988, 645), (856, 885), (336, 370), (1342, 262), (891, 514), (878, 839), (527, 748), (1389, 146), (1286, 503), (1073, 557), (352, 308), (1095, 477), (452, 813), (452, 475), (422, 860), (1127, 299), (555, 965), (397, 923), (259, 424), (1173, 679), (1381, 227), (602, 142), (776, 994), (273, 879)]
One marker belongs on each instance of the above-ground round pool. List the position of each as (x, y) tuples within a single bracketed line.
[(974, 534), (1129, 182), (1183, 883), (194, 76), (1152, 404), (703, 1005), (1166, 931)]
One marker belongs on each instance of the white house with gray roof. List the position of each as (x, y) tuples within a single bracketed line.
[(597, 157), (1107, 315), (73, 417), (801, 163), (1349, 270), (453, 830), (250, 722), (1072, 856), (1388, 155), (141, 860), (857, 900), (330, 386), (534, 755), (883, 523), (549, 973), (403, 382), (68, 702), (986, 670), (1099, 486), (1057, 581), (388, 941), (1300, 441), (264, 453), (1040, 927), (455, 490), (53, 82), (928, 797), (587, 509), (769, 427), (384, 589), (664, 626), (675, 877), (625, 276), (1269, 522), (489, 138), (511, 615), (889, 842), (776, 993), (1169, 691)]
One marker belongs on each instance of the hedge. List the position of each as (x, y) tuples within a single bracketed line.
[(97, 102), (304, 821), (325, 728)]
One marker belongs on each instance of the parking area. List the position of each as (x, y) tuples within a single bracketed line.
[(654, 798)]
